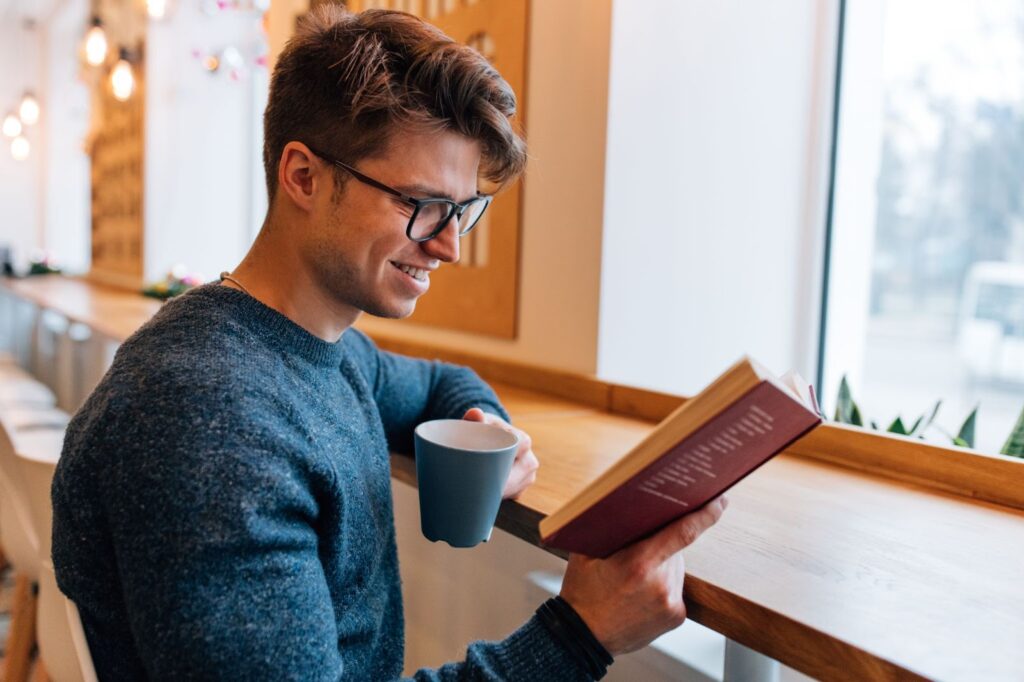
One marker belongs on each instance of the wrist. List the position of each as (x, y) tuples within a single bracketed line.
[(569, 628)]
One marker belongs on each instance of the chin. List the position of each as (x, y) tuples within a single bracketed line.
[(393, 312)]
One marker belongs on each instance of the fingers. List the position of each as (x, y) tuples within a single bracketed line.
[(685, 531), (523, 475), (524, 470), (474, 414)]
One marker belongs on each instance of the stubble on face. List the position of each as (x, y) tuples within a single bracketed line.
[(336, 271)]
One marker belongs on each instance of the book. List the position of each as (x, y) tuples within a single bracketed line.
[(703, 448)]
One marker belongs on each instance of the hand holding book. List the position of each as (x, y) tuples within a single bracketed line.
[(636, 594)]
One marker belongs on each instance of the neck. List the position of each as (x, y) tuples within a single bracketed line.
[(274, 273)]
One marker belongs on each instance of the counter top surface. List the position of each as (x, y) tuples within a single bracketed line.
[(838, 573)]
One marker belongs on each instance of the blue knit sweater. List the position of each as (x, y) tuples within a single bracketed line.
[(222, 507)]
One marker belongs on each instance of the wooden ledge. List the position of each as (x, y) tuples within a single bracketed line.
[(991, 478)]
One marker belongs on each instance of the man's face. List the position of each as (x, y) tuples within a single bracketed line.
[(359, 247)]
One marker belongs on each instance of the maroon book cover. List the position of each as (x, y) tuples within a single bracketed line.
[(699, 468)]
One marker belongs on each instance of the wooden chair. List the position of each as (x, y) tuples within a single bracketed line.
[(20, 543), (62, 644)]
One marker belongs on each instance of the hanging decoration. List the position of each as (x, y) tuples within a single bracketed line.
[(122, 79), (95, 46), (235, 62), (25, 113), (213, 7), (12, 125), (28, 110), (20, 148), (229, 61), (157, 9)]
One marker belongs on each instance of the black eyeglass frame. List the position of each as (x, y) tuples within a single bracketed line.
[(455, 209)]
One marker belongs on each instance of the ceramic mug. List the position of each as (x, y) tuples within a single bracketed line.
[(461, 470)]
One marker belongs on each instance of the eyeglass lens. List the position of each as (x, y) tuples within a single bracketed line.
[(433, 215)]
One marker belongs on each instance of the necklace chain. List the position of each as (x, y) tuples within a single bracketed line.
[(226, 277)]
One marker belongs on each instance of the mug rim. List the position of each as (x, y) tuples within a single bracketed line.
[(429, 425)]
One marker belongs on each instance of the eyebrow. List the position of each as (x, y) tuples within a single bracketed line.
[(426, 192)]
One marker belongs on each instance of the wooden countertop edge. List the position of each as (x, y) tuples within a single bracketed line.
[(786, 640), (800, 646), (971, 474), (978, 476)]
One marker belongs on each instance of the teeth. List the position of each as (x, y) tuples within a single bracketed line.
[(415, 273)]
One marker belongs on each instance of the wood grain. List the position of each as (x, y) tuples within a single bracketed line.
[(21, 638), (840, 573), (993, 478)]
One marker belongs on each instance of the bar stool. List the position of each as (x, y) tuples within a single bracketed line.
[(62, 644)]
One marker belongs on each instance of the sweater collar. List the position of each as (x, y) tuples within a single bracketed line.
[(273, 326)]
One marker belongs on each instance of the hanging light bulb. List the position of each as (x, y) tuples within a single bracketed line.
[(157, 9), (29, 109), (96, 43), (12, 126), (19, 148), (122, 80)]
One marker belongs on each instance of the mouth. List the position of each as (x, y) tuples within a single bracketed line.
[(418, 274)]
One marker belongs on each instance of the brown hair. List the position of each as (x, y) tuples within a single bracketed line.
[(345, 82)]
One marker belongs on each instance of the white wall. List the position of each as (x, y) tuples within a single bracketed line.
[(66, 208), (19, 180), (199, 188), (717, 124)]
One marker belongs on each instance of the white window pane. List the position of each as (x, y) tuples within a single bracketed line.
[(944, 277)]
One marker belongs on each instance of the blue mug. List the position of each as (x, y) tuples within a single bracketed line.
[(461, 469)]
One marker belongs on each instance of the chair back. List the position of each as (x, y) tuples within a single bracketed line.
[(59, 632), (17, 532)]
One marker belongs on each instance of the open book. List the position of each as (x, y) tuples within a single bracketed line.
[(706, 446)]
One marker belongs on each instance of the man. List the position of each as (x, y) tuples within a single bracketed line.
[(222, 508)]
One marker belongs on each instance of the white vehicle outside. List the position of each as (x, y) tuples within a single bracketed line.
[(990, 338)]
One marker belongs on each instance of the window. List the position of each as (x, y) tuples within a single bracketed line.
[(926, 280)]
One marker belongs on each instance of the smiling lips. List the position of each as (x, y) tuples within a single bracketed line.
[(418, 274)]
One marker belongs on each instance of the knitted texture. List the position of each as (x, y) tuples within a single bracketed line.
[(222, 506)]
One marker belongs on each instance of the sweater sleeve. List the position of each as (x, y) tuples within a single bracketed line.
[(215, 545), (530, 654), (409, 391)]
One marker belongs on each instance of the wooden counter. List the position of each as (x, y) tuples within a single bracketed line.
[(821, 562), (114, 313)]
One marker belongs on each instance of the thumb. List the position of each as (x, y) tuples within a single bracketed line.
[(474, 414)]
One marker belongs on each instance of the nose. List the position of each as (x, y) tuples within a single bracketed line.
[(445, 246)]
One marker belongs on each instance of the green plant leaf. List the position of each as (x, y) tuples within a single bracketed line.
[(1014, 445), (961, 442), (874, 424), (966, 433), (844, 402), (897, 427), (855, 417), (933, 415), (917, 423)]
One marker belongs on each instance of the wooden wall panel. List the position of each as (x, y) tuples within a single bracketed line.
[(117, 150), (480, 293)]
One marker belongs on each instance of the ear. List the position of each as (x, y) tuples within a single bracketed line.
[(301, 175)]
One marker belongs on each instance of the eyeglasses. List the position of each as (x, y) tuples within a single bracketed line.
[(429, 216)]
